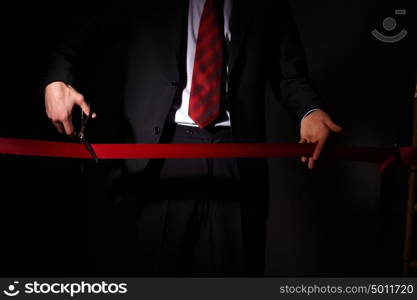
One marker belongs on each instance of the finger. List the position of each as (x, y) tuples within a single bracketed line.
[(86, 109), (311, 163), (59, 127), (68, 126), (303, 141), (319, 148), (308, 158), (332, 125)]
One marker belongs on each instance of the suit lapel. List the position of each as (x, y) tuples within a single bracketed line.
[(240, 19)]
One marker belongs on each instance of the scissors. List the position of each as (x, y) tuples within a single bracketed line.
[(82, 135)]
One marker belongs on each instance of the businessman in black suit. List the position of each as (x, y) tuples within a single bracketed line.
[(195, 71)]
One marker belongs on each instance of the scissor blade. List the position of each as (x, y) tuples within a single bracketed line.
[(90, 150)]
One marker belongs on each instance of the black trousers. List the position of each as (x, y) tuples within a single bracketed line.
[(187, 217)]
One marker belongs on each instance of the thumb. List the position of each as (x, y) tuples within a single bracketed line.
[(332, 125), (85, 107)]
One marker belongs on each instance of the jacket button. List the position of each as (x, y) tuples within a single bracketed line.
[(157, 130)]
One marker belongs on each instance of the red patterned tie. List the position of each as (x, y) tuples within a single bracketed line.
[(206, 85)]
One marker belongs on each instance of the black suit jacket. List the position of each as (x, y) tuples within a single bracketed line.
[(140, 53)]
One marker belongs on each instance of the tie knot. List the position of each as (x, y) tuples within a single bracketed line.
[(218, 7)]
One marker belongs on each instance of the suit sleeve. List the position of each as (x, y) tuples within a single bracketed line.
[(288, 73), (68, 53)]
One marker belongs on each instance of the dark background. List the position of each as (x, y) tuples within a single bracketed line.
[(342, 219)]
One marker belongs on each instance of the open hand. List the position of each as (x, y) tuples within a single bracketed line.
[(316, 128)]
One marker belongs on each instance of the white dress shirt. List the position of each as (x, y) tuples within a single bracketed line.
[(195, 12), (194, 17)]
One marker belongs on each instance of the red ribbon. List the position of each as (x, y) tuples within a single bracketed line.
[(384, 157)]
